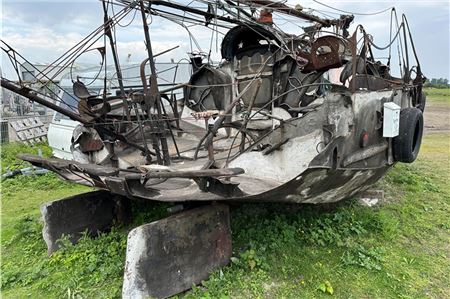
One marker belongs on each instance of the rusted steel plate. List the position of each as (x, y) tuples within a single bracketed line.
[(168, 256), (52, 163), (93, 212)]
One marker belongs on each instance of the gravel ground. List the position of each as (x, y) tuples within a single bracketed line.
[(437, 117)]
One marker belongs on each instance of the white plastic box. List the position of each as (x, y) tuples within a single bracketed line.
[(391, 119)]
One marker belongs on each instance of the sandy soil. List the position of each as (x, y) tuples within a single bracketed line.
[(437, 117)]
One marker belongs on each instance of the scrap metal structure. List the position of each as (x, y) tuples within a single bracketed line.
[(264, 125), (311, 117)]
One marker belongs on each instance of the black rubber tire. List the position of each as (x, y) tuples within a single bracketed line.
[(406, 145)]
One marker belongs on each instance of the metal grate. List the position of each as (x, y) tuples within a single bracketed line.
[(4, 134)]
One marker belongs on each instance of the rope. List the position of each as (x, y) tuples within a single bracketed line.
[(355, 13)]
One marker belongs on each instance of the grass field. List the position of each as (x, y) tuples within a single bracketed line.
[(399, 249), (438, 95)]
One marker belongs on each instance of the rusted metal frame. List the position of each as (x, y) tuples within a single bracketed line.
[(366, 48), (256, 142), (121, 138), (211, 132), (145, 88), (155, 140), (244, 132), (244, 124), (283, 8), (246, 121), (143, 75), (12, 58), (141, 129), (56, 170), (30, 94), (274, 147), (173, 99), (353, 49), (77, 48), (193, 10), (144, 62), (281, 120), (407, 74), (217, 124), (210, 147), (405, 21), (324, 61), (239, 9), (96, 181), (26, 92), (148, 103), (188, 174), (279, 96), (107, 21), (170, 130), (35, 69), (68, 164), (399, 43), (418, 81), (164, 14), (154, 92)]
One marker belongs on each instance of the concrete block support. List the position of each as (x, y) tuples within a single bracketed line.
[(168, 256), (93, 212)]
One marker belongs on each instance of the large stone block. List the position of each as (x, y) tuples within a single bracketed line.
[(91, 212), (169, 256)]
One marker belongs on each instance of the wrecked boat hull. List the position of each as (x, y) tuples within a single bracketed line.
[(309, 118), (331, 151), (316, 185)]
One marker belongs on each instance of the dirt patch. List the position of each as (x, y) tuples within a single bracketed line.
[(437, 117)]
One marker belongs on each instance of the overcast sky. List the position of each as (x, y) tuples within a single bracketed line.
[(43, 29)]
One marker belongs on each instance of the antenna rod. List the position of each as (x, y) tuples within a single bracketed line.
[(283, 8)]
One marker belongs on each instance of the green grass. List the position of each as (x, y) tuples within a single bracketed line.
[(438, 95), (9, 151), (399, 249)]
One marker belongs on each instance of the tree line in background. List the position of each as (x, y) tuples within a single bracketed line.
[(437, 83)]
